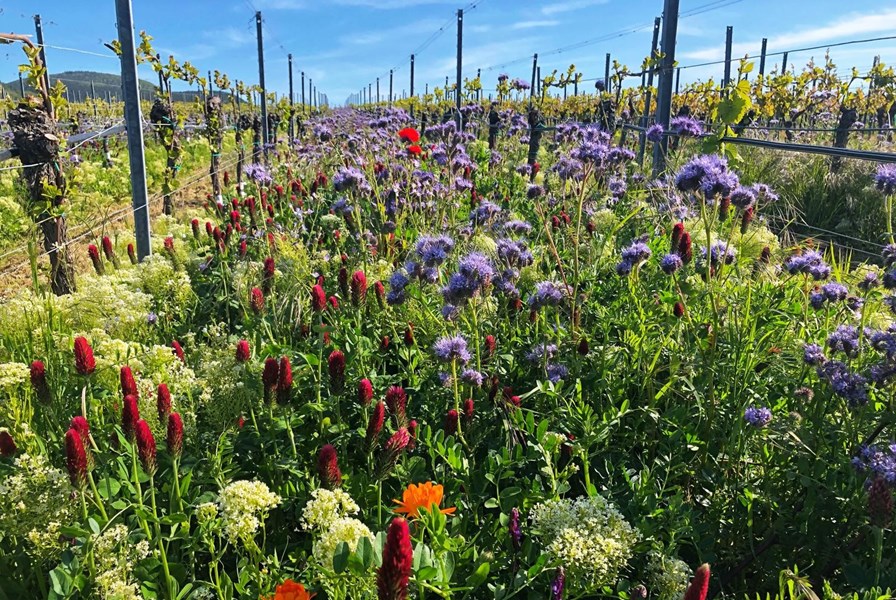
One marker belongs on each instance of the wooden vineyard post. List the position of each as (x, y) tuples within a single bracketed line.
[(664, 97)]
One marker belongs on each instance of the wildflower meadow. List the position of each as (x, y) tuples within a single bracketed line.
[(393, 358)]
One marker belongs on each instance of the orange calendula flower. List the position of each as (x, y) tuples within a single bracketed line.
[(290, 590), (422, 495)]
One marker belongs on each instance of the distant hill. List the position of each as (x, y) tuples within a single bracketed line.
[(78, 84)]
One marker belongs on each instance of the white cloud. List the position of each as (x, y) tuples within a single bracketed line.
[(844, 26), (534, 24), (569, 6), (402, 32), (232, 35)]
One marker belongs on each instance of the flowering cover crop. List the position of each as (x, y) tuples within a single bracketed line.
[(400, 364)]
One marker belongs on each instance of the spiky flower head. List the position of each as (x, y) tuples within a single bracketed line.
[(328, 468), (393, 575), (175, 438)]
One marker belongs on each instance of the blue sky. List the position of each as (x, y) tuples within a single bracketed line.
[(345, 44)]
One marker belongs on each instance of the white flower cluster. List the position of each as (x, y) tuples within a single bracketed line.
[(13, 375), (668, 577), (243, 506), (345, 529), (326, 506), (588, 536), (115, 558), (35, 504)]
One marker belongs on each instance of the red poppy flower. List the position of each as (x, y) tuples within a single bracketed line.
[(409, 134), (415, 150)]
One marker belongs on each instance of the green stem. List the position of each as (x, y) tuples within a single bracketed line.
[(161, 542), (96, 496), (143, 524)]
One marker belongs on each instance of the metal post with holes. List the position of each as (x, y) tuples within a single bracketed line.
[(390, 87), (607, 73), (645, 116), (377, 90), (134, 124), (460, 58), (677, 79), (292, 99), (784, 64), (412, 85), (303, 91), (264, 92), (21, 85), (729, 37), (664, 96), (762, 56), (534, 75)]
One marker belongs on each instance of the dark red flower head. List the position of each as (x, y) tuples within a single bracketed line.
[(398, 555), (169, 244), (7, 444), (677, 230), (146, 447), (451, 418), (359, 288), (175, 439), (93, 252), (163, 402), (270, 374), (128, 385), (256, 300), (342, 278), (107, 248), (242, 351), (375, 425), (194, 225), (336, 366), (409, 134), (678, 309), (380, 291), (391, 451), (409, 335), (328, 468), (39, 380), (132, 254), (334, 302), (699, 585), (80, 425), (365, 392), (318, 298), (490, 345), (75, 459), (284, 381), (684, 247), (468, 411), (267, 281), (397, 402), (84, 362), (178, 350), (583, 348), (130, 414)]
